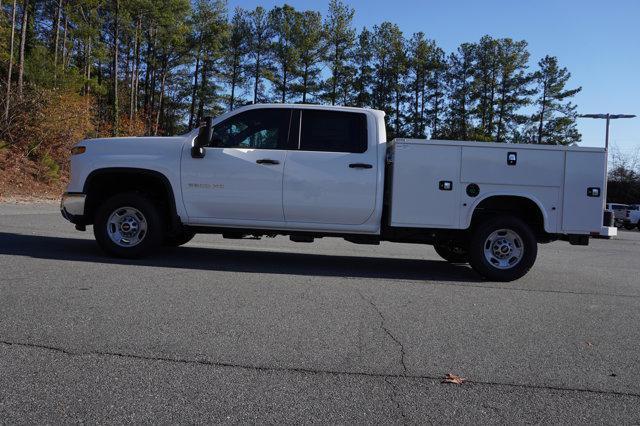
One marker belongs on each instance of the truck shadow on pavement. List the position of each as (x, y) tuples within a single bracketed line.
[(241, 260)]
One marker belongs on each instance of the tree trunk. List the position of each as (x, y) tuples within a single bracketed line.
[(416, 107), (23, 42), (203, 90), (234, 81), (335, 76), (542, 111), (10, 70), (257, 80), (305, 82), (64, 39), (87, 61), (147, 71), (397, 90), (134, 72), (161, 101), (137, 81), (56, 37), (114, 76), (194, 91), (500, 119), (422, 109)]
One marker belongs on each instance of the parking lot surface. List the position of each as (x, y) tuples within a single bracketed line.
[(274, 331)]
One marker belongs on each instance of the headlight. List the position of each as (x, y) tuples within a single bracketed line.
[(78, 150)]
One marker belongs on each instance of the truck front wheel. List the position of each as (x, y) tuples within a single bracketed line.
[(128, 225), (503, 248)]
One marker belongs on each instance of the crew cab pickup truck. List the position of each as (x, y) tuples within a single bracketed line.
[(315, 171)]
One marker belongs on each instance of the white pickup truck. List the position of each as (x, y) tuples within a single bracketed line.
[(314, 171)]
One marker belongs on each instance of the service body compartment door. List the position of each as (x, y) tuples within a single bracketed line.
[(421, 196), (582, 211), (488, 165)]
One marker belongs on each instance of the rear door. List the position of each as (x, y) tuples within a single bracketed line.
[(331, 178), (239, 179)]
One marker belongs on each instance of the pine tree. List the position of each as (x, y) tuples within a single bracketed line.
[(513, 89), (340, 41), (435, 96), (309, 44), (389, 63), (214, 33), (420, 53), (458, 81), (170, 62), (485, 87), (260, 49), (235, 58), (285, 22), (7, 99), (362, 62), (556, 116)]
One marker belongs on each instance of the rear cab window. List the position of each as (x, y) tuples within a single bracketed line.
[(333, 131)]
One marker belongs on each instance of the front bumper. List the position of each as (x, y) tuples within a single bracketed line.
[(72, 207)]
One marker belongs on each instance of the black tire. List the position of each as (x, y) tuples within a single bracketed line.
[(178, 240), (153, 235), (630, 226), (488, 268), (451, 253)]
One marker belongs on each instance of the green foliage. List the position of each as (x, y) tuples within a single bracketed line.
[(340, 40), (556, 114), (160, 66), (52, 169)]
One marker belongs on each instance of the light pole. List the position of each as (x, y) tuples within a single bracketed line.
[(607, 117)]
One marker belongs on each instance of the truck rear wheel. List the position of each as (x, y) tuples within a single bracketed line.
[(503, 249), (452, 253), (128, 225)]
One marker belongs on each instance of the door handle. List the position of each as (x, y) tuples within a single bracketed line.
[(267, 161), (360, 166)]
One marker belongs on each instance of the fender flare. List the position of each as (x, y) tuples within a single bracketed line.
[(174, 220), (545, 218)]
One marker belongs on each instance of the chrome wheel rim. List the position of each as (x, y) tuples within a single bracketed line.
[(503, 249), (127, 227)]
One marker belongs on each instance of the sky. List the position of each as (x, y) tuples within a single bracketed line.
[(598, 42)]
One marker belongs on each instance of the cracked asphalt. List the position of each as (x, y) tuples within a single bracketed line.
[(274, 331)]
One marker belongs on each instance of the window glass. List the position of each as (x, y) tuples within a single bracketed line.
[(333, 131), (254, 129)]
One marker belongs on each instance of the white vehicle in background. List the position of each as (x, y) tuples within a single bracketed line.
[(619, 212), (317, 171), (632, 217)]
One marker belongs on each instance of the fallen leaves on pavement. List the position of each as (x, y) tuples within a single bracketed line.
[(452, 378)]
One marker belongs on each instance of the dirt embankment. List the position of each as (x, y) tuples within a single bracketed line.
[(25, 180)]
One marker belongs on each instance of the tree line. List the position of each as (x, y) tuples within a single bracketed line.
[(160, 66)]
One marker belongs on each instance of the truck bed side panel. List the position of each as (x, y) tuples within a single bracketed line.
[(582, 213), (417, 200)]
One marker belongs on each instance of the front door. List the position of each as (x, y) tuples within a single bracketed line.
[(240, 178), (331, 178)]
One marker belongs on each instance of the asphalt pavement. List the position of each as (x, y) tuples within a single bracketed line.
[(331, 332)]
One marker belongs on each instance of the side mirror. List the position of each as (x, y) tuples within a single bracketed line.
[(203, 139)]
